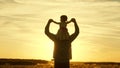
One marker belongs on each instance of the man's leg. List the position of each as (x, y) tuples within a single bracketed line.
[(61, 64)]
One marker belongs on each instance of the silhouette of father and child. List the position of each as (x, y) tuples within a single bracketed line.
[(62, 41)]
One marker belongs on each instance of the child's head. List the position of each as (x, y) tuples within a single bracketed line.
[(63, 18)]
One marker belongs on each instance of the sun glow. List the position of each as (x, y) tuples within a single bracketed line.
[(22, 24)]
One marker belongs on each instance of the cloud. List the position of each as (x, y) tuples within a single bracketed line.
[(7, 1), (114, 0), (96, 0)]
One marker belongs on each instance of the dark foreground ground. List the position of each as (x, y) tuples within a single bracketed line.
[(30, 63)]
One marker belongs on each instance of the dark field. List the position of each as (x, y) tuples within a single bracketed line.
[(30, 63)]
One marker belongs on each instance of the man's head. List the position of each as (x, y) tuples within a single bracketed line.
[(63, 18)]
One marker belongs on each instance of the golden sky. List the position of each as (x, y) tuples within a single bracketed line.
[(22, 24)]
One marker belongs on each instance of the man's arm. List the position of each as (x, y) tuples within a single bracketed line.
[(47, 32), (75, 34)]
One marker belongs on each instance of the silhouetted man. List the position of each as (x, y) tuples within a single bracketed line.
[(62, 48)]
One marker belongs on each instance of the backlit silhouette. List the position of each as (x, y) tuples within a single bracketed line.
[(62, 41)]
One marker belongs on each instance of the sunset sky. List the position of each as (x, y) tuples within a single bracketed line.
[(22, 24)]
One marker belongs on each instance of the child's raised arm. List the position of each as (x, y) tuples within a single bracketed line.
[(56, 22), (68, 22)]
